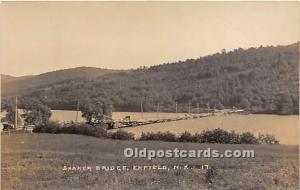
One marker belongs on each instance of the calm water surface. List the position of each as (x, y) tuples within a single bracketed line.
[(285, 128)]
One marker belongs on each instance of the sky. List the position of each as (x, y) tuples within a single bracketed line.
[(38, 37)]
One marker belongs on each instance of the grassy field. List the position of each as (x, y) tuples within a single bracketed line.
[(36, 161)]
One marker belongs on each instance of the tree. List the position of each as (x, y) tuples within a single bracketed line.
[(36, 113), (245, 104), (285, 105), (270, 106), (95, 111), (9, 107)]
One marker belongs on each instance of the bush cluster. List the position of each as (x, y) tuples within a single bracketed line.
[(267, 139), (82, 129), (219, 136), (122, 135), (71, 128), (160, 136)]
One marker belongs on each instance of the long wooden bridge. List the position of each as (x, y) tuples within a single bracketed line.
[(126, 122)]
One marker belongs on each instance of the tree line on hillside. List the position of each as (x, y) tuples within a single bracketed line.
[(260, 80)]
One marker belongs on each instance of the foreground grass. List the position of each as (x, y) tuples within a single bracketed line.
[(35, 161)]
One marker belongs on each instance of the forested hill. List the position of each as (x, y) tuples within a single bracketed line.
[(262, 80), (10, 86)]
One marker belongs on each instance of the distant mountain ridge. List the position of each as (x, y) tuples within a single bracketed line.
[(9, 78), (261, 80), (11, 86)]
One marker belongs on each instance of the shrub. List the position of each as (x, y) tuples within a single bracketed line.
[(160, 136), (218, 136), (186, 137), (168, 136), (211, 136), (122, 135), (267, 139), (71, 128), (149, 137), (234, 138), (84, 129), (248, 138), (215, 136), (224, 137), (197, 137), (49, 127), (206, 136)]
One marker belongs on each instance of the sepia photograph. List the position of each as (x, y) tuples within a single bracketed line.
[(149, 95)]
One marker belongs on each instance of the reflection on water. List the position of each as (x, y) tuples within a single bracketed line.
[(285, 128)]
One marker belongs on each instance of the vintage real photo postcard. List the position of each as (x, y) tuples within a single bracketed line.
[(149, 95)]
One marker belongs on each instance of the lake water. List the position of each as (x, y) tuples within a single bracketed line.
[(67, 116), (285, 128)]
